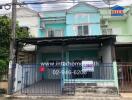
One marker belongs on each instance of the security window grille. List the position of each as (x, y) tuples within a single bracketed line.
[(83, 30), (55, 33), (50, 33)]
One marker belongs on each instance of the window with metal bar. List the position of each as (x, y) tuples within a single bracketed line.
[(55, 33), (83, 30)]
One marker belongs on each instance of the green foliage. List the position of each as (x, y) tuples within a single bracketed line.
[(2, 64), (5, 33), (22, 32)]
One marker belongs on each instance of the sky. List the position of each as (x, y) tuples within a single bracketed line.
[(61, 6)]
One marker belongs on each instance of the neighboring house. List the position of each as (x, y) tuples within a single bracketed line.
[(26, 18), (74, 36), (120, 25), (29, 19)]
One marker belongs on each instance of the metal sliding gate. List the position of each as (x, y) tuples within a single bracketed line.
[(46, 80), (40, 80), (125, 77)]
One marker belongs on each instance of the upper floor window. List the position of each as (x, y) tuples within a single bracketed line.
[(83, 30), (55, 33)]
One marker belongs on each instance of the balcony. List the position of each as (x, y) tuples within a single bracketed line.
[(106, 31)]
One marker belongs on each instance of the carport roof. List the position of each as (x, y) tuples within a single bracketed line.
[(67, 40)]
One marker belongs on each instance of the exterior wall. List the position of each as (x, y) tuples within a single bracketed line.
[(90, 19), (25, 18), (50, 16), (83, 55), (129, 23), (53, 14), (121, 29), (120, 25), (83, 7), (105, 52), (28, 22), (48, 53), (30, 19), (81, 14)]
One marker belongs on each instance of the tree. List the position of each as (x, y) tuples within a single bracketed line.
[(5, 32)]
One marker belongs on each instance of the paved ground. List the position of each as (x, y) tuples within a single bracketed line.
[(42, 87), (89, 96), (82, 98)]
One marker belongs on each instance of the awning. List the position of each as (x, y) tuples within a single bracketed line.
[(47, 41), (128, 44)]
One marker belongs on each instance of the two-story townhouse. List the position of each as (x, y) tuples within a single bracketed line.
[(121, 27), (71, 52)]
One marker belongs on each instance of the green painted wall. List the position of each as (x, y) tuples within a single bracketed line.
[(123, 23), (129, 24)]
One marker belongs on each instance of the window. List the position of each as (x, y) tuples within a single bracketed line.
[(55, 33), (83, 30), (50, 33)]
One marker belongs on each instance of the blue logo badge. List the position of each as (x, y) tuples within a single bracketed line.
[(117, 11)]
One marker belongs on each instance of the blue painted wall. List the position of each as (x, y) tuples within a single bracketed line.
[(83, 7), (81, 14)]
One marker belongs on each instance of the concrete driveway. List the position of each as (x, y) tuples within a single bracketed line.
[(44, 87)]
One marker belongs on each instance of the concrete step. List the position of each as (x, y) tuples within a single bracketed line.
[(98, 90)]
